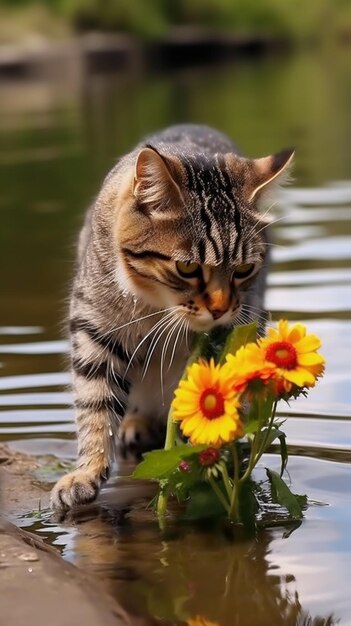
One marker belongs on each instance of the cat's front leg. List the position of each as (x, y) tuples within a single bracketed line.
[(99, 407), (82, 485), (139, 433)]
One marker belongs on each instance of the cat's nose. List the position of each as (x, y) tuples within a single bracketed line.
[(217, 302)]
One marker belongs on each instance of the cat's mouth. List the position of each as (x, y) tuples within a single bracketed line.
[(204, 321)]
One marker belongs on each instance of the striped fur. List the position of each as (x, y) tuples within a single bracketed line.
[(183, 196)]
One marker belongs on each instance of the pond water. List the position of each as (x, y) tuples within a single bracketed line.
[(58, 139)]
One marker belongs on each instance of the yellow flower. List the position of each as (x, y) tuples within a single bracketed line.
[(294, 355), (200, 621), (206, 405), (248, 366)]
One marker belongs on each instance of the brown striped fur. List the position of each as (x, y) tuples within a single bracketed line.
[(184, 197)]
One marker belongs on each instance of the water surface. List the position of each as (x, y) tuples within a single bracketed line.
[(58, 139)]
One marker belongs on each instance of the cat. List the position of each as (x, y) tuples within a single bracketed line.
[(174, 243)]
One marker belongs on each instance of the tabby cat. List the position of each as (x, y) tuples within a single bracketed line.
[(174, 243)]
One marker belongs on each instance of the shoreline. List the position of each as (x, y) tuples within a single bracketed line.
[(99, 52), (38, 585)]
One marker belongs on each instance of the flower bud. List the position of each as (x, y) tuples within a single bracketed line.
[(208, 457), (184, 466)]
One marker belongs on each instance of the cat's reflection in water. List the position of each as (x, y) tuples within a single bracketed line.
[(184, 573)]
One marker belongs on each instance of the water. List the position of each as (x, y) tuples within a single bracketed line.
[(58, 139)]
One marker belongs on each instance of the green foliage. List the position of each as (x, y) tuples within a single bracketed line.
[(240, 336), (147, 19), (282, 495), (223, 487), (203, 503), (159, 464), (258, 414), (248, 505), (293, 20)]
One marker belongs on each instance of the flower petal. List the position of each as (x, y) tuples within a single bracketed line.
[(300, 376), (308, 344), (297, 332), (310, 358)]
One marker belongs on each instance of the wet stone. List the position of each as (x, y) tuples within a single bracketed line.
[(28, 556)]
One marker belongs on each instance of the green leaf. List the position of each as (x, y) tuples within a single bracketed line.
[(240, 336), (199, 348), (283, 452), (248, 505), (282, 494), (252, 426), (274, 433), (259, 413), (159, 463), (217, 338), (181, 482)]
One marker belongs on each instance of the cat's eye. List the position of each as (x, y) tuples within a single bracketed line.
[(243, 271), (188, 269)]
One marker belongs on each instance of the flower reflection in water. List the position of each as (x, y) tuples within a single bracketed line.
[(194, 576)]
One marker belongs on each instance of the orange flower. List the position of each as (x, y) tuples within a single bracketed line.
[(294, 355), (249, 366), (206, 405)]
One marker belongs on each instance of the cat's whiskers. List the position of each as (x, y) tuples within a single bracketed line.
[(153, 329), (179, 322), (268, 210), (181, 331), (249, 232), (253, 308), (187, 334), (255, 313), (175, 343), (155, 340), (252, 313), (271, 244), (242, 318), (144, 317), (279, 219)]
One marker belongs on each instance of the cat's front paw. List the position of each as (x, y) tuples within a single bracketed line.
[(138, 434), (78, 487)]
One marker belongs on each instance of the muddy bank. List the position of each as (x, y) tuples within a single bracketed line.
[(22, 489), (37, 585)]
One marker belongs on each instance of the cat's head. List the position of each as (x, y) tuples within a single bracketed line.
[(191, 231)]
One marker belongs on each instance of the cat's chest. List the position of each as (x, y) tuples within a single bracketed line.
[(155, 376)]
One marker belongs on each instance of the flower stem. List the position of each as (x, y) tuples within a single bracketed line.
[(226, 480), (171, 431), (200, 344), (256, 449), (252, 459), (220, 495), (234, 502), (169, 443), (269, 428), (161, 507)]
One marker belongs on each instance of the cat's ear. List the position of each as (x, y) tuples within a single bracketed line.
[(268, 173), (154, 182)]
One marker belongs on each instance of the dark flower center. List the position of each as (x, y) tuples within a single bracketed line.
[(211, 403), (282, 354)]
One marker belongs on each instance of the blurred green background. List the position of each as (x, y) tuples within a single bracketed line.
[(291, 20)]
